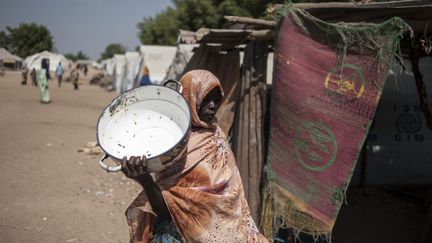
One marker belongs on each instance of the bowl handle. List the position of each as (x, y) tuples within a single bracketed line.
[(106, 167), (179, 85)]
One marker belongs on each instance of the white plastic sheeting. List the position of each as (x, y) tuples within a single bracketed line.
[(158, 59), (35, 61), (119, 71), (125, 70), (108, 66), (182, 56), (133, 67)]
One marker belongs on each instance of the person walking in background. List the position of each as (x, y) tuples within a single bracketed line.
[(74, 76), (85, 70), (145, 80), (1, 69), (33, 77), (43, 86), (59, 73), (46, 65), (24, 72)]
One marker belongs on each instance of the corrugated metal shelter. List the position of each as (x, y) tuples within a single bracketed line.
[(246, 122), (244, 79)]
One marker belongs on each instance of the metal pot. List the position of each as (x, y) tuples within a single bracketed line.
[(151, 120)]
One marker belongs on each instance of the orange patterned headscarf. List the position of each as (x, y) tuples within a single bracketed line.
[(196, 85)]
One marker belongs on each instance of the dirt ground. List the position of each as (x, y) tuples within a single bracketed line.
[(49, 192)]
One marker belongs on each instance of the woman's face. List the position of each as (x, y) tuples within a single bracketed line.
[(210, 105)]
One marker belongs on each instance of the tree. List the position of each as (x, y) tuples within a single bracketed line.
[(160, 30), (28, 39), (78, 56), (112, 49), (5, 40), (163, 29), (194, 14)]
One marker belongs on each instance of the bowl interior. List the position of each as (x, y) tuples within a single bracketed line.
[(150, 121)]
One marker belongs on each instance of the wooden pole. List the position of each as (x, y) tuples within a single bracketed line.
[(251, 21), (421, 88)]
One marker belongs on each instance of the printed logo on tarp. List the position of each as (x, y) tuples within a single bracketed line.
[(345, 83), (408, 124), (315, 146)]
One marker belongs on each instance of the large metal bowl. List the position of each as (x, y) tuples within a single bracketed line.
[(151, 120)]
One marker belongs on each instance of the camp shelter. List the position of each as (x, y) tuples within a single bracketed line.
[(133, 69), (238, 57), (10, 60), (108, 65), (250, 107), (35, 61), (181, 58), (158, 59), (396, 150), (119, 74)]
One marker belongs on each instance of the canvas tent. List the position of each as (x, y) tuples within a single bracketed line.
[(133, 67), (181, 58), (119, 71), (34, 61), (9, 59), (158, 60), (125, 70), (108, 66)]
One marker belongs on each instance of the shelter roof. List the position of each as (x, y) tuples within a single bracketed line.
[(7, 56), (226, 36), (417, 13)]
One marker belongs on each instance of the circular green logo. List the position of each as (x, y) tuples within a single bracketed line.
[(315, 146)]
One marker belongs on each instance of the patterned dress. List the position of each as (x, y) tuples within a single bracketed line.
[(203, 190)]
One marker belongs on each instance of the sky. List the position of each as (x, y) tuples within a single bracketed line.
[(83, 25)]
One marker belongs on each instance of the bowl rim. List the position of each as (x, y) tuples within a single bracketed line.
[(135, 90)]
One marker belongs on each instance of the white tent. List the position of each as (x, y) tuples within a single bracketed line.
[(35, 61), (183, 54), (108, 66), (158, 59), (133, 68), (119, 71)]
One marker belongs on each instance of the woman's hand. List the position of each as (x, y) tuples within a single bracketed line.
[(134, 167)]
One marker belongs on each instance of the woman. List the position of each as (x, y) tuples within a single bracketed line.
[(201, 197)]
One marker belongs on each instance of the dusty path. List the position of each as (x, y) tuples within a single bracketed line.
[(49, 192)]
